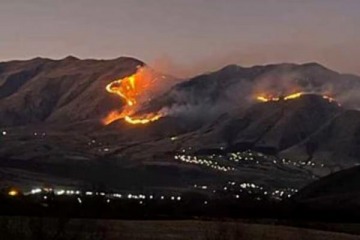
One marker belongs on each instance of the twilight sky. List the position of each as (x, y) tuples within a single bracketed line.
[(186, 36)]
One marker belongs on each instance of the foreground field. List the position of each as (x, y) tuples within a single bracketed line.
[(64, 229)]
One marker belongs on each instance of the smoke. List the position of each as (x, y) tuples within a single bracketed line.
[(136, 91), (313, 78), (236, 88), (192, 68)]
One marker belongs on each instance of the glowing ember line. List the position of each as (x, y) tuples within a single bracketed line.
[(267, 99), (264, 98), (142, 121), (293, 96)]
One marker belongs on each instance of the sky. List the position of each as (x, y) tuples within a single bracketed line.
[(185, 36)]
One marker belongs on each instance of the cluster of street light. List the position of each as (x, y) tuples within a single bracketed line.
[(258, 157), (259, 192), (273, 193), (227, 161), (203, 162), (77, 193)]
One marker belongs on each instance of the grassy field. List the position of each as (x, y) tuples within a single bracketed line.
[(14, 228)]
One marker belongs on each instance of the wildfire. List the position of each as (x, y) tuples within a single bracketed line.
[(293, 96), (269, 98), (143, 120), (131, 89)]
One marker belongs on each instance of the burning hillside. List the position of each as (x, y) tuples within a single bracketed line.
[(272, 98), (135, 91)]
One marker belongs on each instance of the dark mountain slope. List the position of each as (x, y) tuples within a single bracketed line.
[(236, 87), (50, 110), (339, 184), (60, 91), (337, 141), (336, 195), (273, 125)]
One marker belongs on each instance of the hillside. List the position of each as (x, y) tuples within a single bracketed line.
[(337, 194), (60, 91), (213, 129)]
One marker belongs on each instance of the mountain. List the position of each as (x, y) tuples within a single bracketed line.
[(236, 87), (336, 194), (341, 184), (60, 91), (213, 129), (337, 141)]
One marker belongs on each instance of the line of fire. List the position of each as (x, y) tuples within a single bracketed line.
[(130, 89), (272, 98)]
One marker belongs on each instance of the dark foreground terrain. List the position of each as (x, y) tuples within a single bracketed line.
[(36, 228)]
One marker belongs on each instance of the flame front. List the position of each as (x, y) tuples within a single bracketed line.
[(294, 96), (130, 89), (270, 98), (267, 98)]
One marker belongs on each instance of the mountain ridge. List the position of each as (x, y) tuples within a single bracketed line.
[(51, 111)]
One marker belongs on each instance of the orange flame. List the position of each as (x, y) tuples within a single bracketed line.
[(269, 98), (131, 88), (294, 96)]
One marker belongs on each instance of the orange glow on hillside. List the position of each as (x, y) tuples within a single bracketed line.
[(294, 96), (131, 89), (146, 120), (269, 98)]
